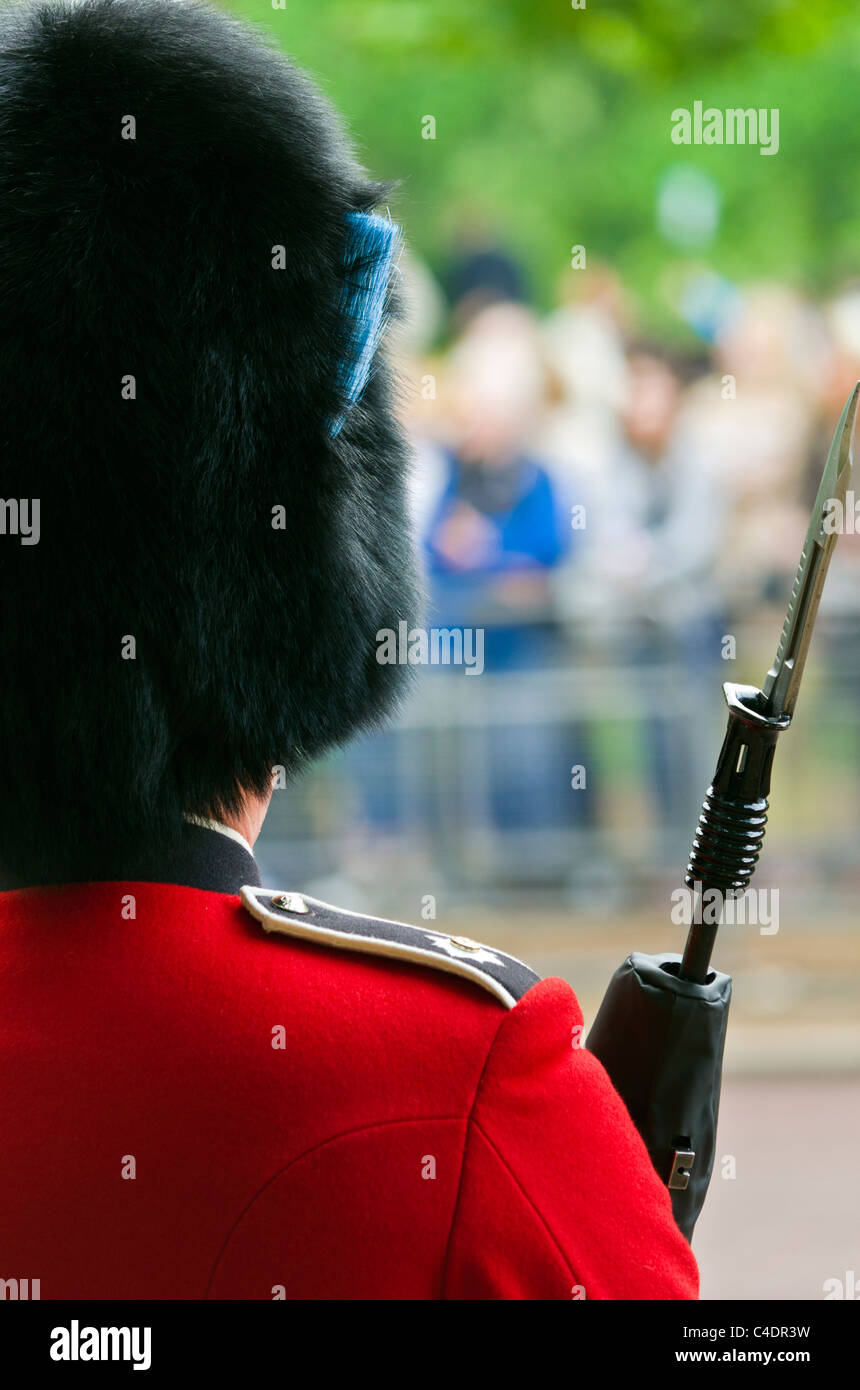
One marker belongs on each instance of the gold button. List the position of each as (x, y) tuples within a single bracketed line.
[(467, 943)]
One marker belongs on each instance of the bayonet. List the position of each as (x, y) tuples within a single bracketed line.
[(731, 827), (782, 681)]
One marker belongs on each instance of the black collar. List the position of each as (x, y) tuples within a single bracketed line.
[(199, 858)]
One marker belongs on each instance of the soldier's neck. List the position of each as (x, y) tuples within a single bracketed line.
[(249, 821)]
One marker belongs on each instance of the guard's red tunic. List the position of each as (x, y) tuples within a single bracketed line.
[(191, 1108)]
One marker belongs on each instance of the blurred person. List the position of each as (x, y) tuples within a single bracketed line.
[(210, 1089), (498, 534), (753, 421), (583, 340), (494, 533), (482, 270), (658, 537), (498, 526)]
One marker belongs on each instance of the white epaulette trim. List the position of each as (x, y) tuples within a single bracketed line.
[(308, 919)]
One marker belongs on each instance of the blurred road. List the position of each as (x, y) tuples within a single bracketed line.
[(790, 1218)]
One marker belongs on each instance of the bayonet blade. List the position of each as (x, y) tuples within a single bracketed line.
[(782, 681)]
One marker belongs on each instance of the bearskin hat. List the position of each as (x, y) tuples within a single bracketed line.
[(203, 522)]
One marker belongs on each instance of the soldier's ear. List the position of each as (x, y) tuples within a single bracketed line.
[(373, 244)]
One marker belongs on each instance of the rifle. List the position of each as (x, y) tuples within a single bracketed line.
[(661, 1028)]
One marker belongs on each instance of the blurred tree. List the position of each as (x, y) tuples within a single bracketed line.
[(554, 122)]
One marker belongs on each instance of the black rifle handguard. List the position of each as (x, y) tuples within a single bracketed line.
[(661, 1040)]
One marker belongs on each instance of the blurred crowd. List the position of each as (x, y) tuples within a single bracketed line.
[(597, 501), (629, 482)]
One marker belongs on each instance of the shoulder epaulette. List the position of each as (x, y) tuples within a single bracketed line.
[(294, 914)]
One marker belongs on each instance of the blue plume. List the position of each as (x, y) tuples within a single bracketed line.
[(371, 247)]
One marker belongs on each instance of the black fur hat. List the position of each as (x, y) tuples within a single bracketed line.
[(221, 532)]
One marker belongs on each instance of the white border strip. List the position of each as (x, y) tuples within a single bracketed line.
[(368, 945)]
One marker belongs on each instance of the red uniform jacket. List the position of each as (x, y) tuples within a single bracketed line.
[(208, 1095)]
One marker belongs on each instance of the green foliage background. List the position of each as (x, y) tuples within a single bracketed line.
[(558, 121)]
